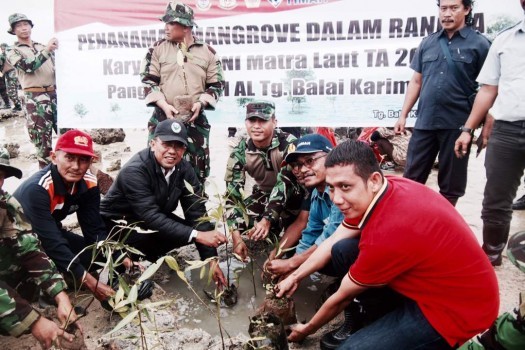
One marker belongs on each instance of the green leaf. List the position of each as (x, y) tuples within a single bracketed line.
[(126, 320), (182, 276), (172, 262), (133, 294), (150, 271), (189, 187)]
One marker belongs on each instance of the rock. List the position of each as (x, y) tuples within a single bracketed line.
[(107, 136), (114, 166), (13, 148)]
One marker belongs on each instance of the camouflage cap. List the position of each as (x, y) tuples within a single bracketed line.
[(4, 165), (260, 109), (15, 18), (3, 45), (180, 13)]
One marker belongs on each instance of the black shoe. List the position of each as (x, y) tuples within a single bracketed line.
[(519, 204), (17, 108), (353, 322)]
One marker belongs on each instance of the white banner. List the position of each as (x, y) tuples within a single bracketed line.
[(323, 63)]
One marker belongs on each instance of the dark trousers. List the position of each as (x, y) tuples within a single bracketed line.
[(424, 147), (504, 166)]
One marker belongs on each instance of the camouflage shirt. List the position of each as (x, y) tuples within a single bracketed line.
[(264, 166), (35, 66), (200, 76), (21, 260)]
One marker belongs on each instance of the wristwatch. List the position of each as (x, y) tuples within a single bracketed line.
[(465, 129)]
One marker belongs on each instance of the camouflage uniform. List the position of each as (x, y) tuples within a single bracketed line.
[(36, 71), (200, 77), (276, 195), (11, 81), (21, 260)]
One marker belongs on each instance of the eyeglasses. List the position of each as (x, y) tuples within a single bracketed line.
[(309, 162), (177, 146)]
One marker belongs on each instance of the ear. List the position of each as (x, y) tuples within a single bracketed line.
[(53, 157), (375, 181)]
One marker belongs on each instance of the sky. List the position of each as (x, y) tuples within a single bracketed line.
[(40, 12)]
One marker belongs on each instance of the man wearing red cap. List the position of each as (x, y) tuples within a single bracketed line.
[(64, 187)]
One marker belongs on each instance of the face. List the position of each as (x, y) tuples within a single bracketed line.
[(311, 168), (167, 153), (350, 192), (452, 14), (2, 178), (22, 29), (260, 130), (72, 167), (175, 31)]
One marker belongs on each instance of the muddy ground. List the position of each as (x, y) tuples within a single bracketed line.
[(168, 331)]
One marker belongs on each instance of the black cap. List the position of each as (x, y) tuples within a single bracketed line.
[(171, 130)]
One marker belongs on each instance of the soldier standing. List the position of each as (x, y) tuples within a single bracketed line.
[(180, 71), (22, 259), (35, 65), (11, 81)]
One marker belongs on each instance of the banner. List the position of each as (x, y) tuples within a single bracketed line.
[(322, 62)]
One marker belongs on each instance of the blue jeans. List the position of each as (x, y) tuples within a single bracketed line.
[(392, 320), (405, 328)]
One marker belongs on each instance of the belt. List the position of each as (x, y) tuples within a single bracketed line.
[(40, 89), (518, 123)]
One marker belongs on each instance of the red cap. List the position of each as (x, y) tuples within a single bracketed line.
[(75, 142)]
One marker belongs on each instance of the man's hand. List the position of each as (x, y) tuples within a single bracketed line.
[(260, 230), (168, 109), (462, 143), (483, 138), (210, 238), (196, 109), (298, 333), (286, 287), (130, 265), (52, 45), (48, 333), (100, 290), (239, 247), (218, 275), (399, 126), (65, 311), (280, 267)]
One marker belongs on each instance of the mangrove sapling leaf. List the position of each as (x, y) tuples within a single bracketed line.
[(133, 294), (126, 320), (189, 187), (172, 263), (150, 271)]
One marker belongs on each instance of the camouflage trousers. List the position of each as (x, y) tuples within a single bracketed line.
[(41, 108), (3, 91), (11, 82), (198, 152), (255, 206)]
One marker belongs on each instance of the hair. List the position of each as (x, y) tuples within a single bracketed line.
[(469, 20), (356, 153)]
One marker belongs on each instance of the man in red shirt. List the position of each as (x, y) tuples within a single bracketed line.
[(412, 241)]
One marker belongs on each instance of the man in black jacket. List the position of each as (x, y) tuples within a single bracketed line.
[(150, 187)]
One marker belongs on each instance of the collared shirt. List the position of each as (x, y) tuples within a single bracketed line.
[(35, 67), (443, 103), (323, 220), (505, 68), (416, 243)]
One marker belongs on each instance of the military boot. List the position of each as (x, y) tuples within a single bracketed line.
[(352, 323), (494, 240)]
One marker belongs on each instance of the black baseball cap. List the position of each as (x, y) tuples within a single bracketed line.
[(171, 130)]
